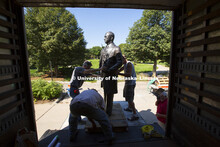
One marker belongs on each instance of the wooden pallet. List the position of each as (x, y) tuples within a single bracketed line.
[(160, 82), (117, 120)]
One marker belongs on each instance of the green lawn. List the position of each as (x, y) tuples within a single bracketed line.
[(142, 68), (139, 67), (95, 63), (32, 71)]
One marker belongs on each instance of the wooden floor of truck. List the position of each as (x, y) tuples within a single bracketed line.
[(132, 137), (126, 133)]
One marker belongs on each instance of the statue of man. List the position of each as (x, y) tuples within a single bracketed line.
[(110, 62)]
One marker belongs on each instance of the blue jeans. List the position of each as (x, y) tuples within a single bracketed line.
[(99, 115), (71, 120)]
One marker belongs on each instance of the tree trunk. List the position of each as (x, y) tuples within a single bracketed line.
[(56, 70), (155, 68), (39, 69)]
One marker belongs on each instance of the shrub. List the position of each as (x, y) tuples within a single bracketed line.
[(43, 90), (37, 74), (34, 73)]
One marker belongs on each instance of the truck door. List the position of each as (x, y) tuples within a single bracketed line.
[(194, 104), (16, 104)]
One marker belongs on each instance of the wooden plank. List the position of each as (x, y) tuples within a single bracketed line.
[(200, 42), (8, 46), (11, 93), (202, 106), (173, 70), (10, 106), (211, 81), (198, 9), (9, 57), (162, 83), (200, 54), (10, 81), (202, 75), (7, 24), (209, 28), (100, 5), (200, 19), (138, 4), (8, 35), (200, 67), (7, 13), (9, 70), (210, 95)]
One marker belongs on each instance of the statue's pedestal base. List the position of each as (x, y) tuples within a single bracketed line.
[(117, 119)]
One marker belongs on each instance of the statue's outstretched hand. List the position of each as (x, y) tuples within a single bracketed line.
[(103, 68)]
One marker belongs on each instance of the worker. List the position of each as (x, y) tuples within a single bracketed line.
[(130, 83), (161, 104), (76, 82), (91, 104), (76, 79)]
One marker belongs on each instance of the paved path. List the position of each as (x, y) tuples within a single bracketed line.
[(53, 115), (161, 70)]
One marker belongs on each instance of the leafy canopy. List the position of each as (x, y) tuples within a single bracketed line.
[(53, 35), (150, 37), (95, 52)]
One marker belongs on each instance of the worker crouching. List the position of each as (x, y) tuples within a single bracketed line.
[(90, 103)]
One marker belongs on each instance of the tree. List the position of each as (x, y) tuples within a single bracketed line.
[(34, 40), (53, 35), (150, 37), (95, 52), (123, 47), (87, 54)]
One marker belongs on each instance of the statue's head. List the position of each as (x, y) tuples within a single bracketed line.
[(109, 37)]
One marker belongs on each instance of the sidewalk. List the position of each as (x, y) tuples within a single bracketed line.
[(161, 70), (51, 115), (54, 116)]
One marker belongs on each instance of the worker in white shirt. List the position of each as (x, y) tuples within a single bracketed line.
[(90, 103)]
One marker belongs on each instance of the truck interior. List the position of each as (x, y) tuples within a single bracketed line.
[(193, 117)]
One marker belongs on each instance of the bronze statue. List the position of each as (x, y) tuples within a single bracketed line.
[(110, 62)]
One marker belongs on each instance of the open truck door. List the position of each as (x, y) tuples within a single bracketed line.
[(194, 89), (16, 102)]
